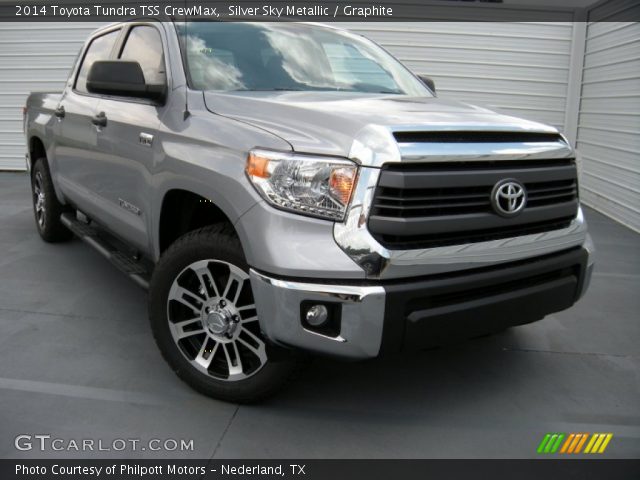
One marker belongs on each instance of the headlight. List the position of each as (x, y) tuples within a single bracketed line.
[(312, 185)]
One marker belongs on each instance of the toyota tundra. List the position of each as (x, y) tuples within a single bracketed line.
[(284, 188)]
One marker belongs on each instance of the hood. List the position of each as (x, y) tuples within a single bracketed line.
[(327, 122)]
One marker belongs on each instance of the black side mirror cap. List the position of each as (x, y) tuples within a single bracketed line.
[(122, 78), (428, 81)]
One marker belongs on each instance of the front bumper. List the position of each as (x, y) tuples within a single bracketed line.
[(389, 316)]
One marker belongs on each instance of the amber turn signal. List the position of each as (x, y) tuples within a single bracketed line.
[(257, 166), (341, 183)]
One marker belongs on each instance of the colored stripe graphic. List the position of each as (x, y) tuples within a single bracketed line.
[(596, 446), (550, 443), (573, 443), (576, 439), (604, 445), (598, 443), (544, 442), (556, 445), (581, 442), (591, 442), (565, 447)]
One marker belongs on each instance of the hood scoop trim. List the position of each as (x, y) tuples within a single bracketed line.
[(476, 137)]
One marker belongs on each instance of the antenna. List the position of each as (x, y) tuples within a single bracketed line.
[(187, 114)]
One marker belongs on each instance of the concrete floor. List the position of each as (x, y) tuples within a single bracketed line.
[(77, 361)]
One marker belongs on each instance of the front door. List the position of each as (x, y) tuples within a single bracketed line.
[(127, 143), (78, 137)]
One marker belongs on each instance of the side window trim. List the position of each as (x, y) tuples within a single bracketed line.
[(120, 44), (82, 57)]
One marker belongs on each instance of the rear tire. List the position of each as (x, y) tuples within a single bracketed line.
[(204, 321), (46, 207)]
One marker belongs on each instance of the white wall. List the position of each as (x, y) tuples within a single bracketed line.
[(33, 56), (609, 121), (518, 68)]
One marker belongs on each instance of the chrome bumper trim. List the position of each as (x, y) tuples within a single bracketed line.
[(591, 251), (278, 305), (363, 312)]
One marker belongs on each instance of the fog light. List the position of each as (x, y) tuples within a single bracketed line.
[(317, 315)]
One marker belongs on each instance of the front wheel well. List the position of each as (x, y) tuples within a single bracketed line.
[(36, 150), (184, 211)]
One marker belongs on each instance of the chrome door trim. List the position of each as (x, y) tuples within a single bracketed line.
[(145, 139)]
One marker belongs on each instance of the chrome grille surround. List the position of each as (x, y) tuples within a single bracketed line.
[(375, 146)]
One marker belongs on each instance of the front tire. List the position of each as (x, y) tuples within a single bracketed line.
[(204, 320), (46, 207)]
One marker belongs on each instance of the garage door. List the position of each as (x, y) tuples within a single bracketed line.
[(520, 68), (33, 56), (609, 121)]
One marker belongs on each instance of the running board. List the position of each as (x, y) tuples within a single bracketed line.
[(91, 235)]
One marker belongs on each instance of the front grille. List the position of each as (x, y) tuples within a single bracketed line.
[(428, 205)]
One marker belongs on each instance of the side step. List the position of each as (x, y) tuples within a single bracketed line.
[(137, 271)]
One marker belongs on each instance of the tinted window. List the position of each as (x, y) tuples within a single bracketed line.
[(145, 47), (351, 67), (232, 56), (99, 49)]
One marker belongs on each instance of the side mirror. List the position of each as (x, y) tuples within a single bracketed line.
[(428, 81), (124, 79)]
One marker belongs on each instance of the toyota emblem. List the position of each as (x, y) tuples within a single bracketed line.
[(508, 197)]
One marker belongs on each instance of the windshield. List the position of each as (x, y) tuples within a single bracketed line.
[(283, 56)]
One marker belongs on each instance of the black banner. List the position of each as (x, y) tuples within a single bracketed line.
[(320, 469), (323, 11)]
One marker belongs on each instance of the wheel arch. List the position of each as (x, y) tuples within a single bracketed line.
[(36, 150), (182, 211)]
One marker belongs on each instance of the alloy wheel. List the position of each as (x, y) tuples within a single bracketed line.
[(213, 320), (39, 199)]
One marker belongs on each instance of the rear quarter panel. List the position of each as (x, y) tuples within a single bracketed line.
[(41, 123)]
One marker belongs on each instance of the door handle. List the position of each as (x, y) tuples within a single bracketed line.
[(100, 120), (59, 112)]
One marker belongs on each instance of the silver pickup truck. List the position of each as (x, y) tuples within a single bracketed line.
[(287, 188)]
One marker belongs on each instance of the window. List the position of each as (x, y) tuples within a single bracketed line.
[(351, 67), (99, 49), (144, 46), (213, 67), (229, 56)]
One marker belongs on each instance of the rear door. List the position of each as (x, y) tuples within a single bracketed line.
[(78, 136), (124, 167)]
